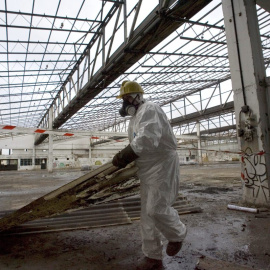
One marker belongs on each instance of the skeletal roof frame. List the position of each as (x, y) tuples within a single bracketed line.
[(72, 69)]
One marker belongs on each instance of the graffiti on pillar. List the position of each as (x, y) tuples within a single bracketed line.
[(254, 173)]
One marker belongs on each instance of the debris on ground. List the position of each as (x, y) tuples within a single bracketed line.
[(206, 263), (104, 184)]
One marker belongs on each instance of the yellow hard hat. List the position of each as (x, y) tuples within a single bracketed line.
[(129, 87)]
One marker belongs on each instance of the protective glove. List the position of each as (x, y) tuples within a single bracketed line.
[(124, 157)]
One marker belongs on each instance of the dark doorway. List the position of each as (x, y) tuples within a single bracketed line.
[(43, 163), (8, 164)]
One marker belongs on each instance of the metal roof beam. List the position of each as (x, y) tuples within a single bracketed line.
[(155, 28), (36, 70), (205, 40), (19, 113), (47, 53), (189, 55), (37, 61), (48, 16), (43, 42), (21, 101), (186, 66), (47, 29), (214, 130), (177, 72), (197, 116), (29, 84), (197, 23)]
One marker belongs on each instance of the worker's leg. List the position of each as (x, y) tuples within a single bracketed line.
[(166, 219), (163, 194), (151, 241), (168, 223)]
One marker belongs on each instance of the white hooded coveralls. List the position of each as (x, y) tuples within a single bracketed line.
[(152, 139)]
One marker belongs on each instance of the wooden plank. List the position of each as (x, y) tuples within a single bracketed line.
[(76, 194), (78, 181), (207, 263)]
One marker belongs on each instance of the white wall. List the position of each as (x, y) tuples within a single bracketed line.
[(70, 153), (17, 142), (74, 152)]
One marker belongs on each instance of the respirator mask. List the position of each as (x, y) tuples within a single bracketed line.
[(128, 108)]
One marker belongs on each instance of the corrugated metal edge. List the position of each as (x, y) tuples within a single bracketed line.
[(118, 212)]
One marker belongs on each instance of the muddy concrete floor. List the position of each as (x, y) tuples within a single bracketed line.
[(239, 237)]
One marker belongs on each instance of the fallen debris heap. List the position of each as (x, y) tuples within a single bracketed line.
[(104, 184)]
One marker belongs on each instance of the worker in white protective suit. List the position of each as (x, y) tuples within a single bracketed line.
[(153, 147)]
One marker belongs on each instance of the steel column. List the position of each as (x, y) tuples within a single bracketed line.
[(250, 97), (50, 154), (199, 143)]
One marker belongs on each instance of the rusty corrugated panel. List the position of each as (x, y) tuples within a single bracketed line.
[(104, 184), (95, 216), (119, 212)]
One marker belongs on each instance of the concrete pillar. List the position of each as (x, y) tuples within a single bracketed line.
[(33, 156), (50, 154), (199, 143), (250, 97)]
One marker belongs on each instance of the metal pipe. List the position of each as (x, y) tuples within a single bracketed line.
[(241, 208)]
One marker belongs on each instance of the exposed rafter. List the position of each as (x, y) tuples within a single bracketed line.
[(75, 62), (155, 28)]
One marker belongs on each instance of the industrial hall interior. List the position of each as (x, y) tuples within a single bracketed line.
[(135, 134)]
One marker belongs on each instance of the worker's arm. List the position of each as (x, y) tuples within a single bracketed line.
[(124, 157)]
